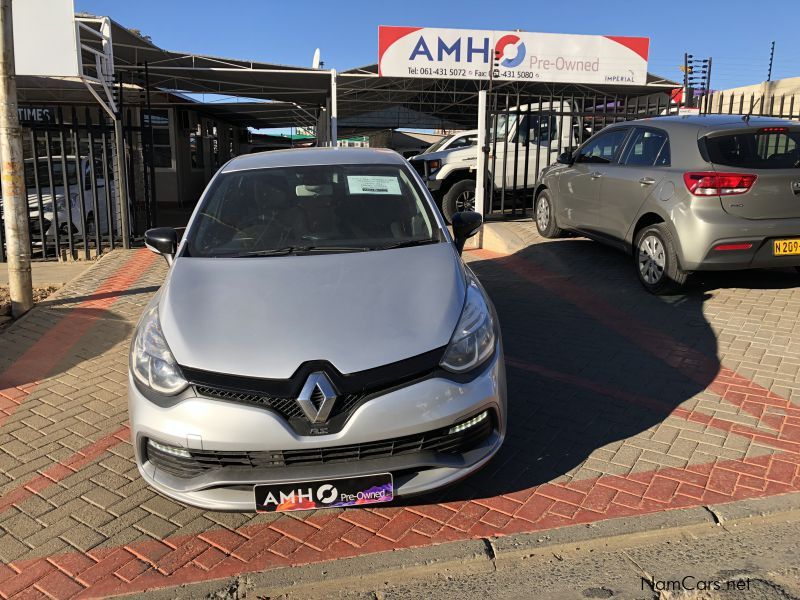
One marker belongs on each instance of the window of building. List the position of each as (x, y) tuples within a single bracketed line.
[(162, 144)]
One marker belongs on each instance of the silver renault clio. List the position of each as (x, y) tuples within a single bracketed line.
[(318, 341)]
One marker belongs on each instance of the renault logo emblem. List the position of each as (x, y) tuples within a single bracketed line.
[(317, 397)]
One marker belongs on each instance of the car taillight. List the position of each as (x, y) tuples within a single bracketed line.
[(774, 130), (710, 183)]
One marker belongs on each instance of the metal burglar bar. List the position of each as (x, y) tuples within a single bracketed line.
[(72, 206), (529, 135), (781, 106)]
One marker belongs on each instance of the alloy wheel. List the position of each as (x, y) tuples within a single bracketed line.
[(465, 201), (652, 259), (543, 214)]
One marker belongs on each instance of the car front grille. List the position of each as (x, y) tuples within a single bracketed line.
[(203, 461), (280, 395), (287, 407)]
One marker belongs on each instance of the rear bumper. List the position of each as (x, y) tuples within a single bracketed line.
[(699, 228), (758, 256)]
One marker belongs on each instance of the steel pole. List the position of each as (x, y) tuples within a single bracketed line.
[(122, 191), (334, 111), (480, 168), (15, 197)]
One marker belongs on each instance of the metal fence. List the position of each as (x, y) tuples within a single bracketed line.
[(784, 106), (70, 177), (529, 133)]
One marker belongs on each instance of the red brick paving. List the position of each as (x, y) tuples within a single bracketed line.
[(20, 379), (299, 539)]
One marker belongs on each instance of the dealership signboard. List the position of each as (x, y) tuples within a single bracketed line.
[(517, 56)]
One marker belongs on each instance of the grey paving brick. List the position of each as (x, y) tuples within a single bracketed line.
[(156, 527), (82, 537)]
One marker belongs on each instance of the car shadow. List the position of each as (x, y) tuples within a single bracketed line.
[(585, 365), (68, 338)]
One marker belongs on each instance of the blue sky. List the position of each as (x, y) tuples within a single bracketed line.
[(736, 34)]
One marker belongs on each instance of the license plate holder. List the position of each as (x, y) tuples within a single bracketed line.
[(786, 247), (324, 493)]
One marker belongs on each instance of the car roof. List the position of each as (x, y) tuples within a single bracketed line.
[(710, 122), (301, 157)]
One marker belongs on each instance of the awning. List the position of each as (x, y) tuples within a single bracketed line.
[(367, 101), (202, 74)]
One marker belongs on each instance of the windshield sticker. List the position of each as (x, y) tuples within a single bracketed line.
[(373, 184)]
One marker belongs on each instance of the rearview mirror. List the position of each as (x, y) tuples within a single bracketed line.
[(163, 241), (565, 158), (465, 225)]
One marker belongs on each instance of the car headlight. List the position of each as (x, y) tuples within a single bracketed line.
[(151, 361), (474, 339), (434, 165)]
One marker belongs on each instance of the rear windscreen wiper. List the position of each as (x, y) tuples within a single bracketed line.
[(409, 243)]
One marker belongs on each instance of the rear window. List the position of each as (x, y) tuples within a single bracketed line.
[(755, 150)]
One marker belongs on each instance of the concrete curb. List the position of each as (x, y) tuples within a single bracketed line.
[(483, 555), (503, 238)]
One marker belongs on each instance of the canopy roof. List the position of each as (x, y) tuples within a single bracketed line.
[(369, 101), (275, 95)]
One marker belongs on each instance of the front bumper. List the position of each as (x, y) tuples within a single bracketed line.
[(434, 185), (208, 424)]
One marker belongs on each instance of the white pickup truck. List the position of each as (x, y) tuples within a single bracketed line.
[(54, 204), (449, 169)]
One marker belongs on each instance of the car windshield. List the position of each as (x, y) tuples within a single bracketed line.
[(321, 208), (503, 123), (436, 145)]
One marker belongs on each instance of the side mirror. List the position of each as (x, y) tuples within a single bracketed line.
[(163, 241), (465, 225), (565, 158)]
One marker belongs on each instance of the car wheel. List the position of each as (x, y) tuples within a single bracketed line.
[(656, 260), (459, 198), (544, 216)]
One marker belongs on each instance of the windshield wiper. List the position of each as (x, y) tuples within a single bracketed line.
[(300, 250), (269, 252), (409, 243), (334, 248)]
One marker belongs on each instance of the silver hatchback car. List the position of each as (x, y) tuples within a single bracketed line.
[(318, 341), (682, 194)]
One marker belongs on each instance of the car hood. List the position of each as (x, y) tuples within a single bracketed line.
[(449, 154), (264, 317)]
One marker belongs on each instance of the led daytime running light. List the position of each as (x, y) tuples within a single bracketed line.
[(172, 450), (467, 424)]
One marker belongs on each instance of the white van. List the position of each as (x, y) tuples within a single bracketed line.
[(541, 131)]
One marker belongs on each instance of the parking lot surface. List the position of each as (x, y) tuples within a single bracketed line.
[(620, 403)]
